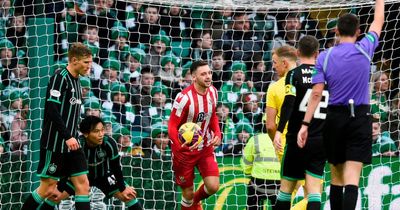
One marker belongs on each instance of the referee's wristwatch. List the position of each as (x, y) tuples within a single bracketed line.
[(305, 123)]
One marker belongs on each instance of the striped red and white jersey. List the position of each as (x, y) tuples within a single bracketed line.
[(190, 106)]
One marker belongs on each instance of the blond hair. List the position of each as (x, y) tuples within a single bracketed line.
[(287, 52), (79, 51)]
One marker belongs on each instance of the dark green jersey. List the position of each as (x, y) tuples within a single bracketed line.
[(102, 160), (298, 89), (61, 111)]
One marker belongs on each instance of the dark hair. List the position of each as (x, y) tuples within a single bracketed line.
[(198, 36), (218, 53), (79, 51), (146, 70), (238, 13), (89, 123), (293, 15), (348, 25), (257, 59), (308, 45), (197, 64)]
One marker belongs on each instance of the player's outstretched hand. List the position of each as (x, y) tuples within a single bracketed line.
[(72, 144), (216, 141), (302, 136), (186, 145), (128, 194), (278, 141)]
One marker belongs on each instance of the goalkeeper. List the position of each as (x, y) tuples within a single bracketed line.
[(104, 167)]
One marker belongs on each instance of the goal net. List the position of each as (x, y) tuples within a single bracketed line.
[(142, 53)]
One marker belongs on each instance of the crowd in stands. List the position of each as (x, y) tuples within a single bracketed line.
[(142, 55)]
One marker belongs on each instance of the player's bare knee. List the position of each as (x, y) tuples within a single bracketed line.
[(212, 188)]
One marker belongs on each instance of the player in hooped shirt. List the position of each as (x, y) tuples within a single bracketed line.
[(196, 103)]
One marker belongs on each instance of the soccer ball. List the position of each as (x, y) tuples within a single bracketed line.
[(190, 133)]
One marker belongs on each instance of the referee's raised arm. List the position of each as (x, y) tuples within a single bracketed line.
[(379, 17)]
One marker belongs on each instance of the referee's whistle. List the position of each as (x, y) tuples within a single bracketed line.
[(351, 103)]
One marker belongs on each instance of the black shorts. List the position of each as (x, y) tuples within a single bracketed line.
[(107, 184), (348, 138), (57, 165), (300, 161)]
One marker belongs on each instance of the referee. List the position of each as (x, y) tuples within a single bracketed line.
[(60, 152), (345, 68)]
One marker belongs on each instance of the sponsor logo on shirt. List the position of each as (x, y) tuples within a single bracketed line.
[(100, 154), (55, 93), (74, 101), (201, 116)]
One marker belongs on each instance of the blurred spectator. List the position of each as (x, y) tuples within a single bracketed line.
[(92, 107), (143, 99), (243, 131), (394, 119), (99, 14), (119, 105), (259, 75), (379, 101), (186, 78), (109, 75), (71, 19), (120, 49), (382, 144), (6, 12), (226, 125), (330, 37), (16, 31), (147, 26), (109, 120), (132, 84), (90, 37), (12, 100), (134, 60), (86, 87), (241, 43), (160, 146), (310, 26), (19, 77), (7, 61), (176, 22), (133, 11), (231, 90), (160, 109), (202, 44), (19, 135), (170, 72), (218, 69), (216, 20), (123, 137), (250, 110), (160, 44), (291, 33), (262, 22)]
